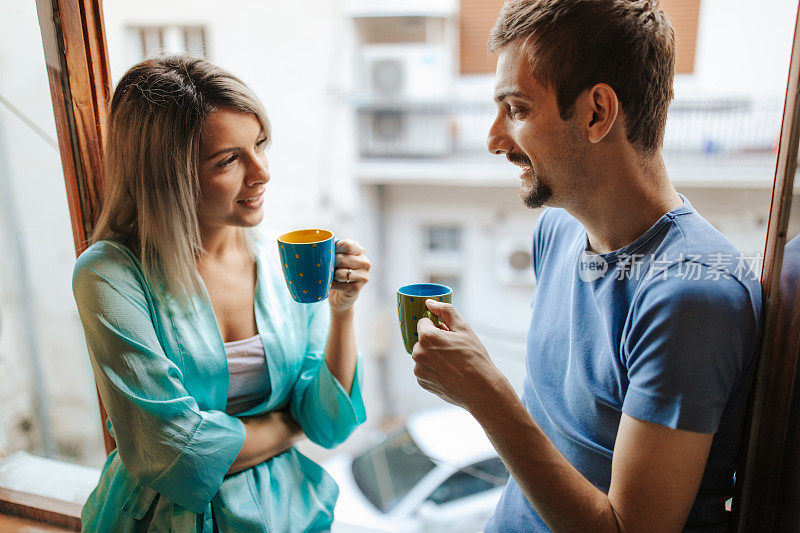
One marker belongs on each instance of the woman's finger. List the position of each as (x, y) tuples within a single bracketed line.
[(348, 246), (354, 262), (349, 275)]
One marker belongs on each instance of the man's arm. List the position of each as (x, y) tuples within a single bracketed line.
[(656, 471)]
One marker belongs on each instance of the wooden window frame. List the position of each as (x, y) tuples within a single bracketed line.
[(758, 490), (74, 42)]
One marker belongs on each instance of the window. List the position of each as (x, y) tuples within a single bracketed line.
[(471, 480), (48, 403), (443, 239), (388, 472), (148, 41)]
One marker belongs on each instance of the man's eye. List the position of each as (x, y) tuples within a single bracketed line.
[(514, 111)]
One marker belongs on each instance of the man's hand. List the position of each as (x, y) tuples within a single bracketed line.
[(451, 361)]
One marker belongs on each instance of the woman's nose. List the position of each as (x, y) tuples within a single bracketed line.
[(258, 172)]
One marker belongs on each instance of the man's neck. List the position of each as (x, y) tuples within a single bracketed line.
[(630, 196)]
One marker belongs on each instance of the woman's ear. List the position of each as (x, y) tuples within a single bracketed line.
[(601, 109)]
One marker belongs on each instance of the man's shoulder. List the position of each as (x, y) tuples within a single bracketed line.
[(695, 257)]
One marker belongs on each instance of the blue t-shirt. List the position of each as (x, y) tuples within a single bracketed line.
[(664, 330)]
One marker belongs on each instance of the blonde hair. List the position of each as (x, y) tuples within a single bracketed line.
[(151, 189)]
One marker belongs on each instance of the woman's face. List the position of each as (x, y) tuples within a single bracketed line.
[(233, 170)]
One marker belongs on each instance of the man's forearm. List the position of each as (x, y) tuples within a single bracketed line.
[(562, 497)]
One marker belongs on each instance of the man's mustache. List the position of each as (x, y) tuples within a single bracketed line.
[(518, 159)]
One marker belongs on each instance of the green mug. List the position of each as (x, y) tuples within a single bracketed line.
[(411, 307)]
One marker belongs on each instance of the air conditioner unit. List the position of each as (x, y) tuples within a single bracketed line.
[(405, 132), (404, 72), (513, 261)]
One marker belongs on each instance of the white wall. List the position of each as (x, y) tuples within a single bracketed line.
[(743, 48)]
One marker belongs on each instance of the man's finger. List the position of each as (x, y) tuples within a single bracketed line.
[(447, 314), (425, 326)]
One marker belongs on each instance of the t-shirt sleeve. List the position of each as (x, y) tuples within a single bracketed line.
[(686, 345)]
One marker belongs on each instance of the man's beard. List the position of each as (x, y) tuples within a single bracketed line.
[(537, 193)]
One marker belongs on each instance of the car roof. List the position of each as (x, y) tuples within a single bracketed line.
[(450, 435)]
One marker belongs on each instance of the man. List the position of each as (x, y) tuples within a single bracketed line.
[(641, 344)]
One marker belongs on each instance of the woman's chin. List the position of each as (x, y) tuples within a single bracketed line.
[(250, 220)]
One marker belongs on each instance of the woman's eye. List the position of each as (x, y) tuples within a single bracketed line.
[(262, 143), (226, 162)]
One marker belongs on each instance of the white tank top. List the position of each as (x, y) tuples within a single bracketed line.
[(248, 378)]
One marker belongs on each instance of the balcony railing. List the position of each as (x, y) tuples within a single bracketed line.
[(695, 128)]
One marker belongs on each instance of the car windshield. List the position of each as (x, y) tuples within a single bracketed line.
[(389, 471)]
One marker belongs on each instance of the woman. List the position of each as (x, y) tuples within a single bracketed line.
[(207, 368)]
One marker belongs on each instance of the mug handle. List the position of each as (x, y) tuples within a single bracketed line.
[(333, 254), (427, 314)]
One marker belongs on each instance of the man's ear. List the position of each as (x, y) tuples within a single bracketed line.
[(600, 109)]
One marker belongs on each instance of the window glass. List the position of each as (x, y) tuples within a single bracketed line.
[(47, 395), (149, 41), (443, 239), (471, 480), (388, 472)]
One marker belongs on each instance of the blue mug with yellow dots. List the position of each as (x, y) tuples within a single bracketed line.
[(307, 260), (411, 307)]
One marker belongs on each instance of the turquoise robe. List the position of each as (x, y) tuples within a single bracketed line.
[(163, 376)]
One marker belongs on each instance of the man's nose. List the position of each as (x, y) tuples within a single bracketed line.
[(498, 142)]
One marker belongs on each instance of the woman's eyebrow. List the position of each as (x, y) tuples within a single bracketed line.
[(224, 150)]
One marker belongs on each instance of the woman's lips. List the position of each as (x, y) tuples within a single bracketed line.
[(252, 203)]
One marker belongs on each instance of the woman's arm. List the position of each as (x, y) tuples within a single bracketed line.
[(266, 436), (340, 350), (352, 273)]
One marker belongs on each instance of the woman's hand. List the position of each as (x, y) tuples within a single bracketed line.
[(352, 272), (266, 436)]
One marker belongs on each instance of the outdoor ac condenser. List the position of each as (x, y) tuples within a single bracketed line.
[(403, 111), (512, 261)]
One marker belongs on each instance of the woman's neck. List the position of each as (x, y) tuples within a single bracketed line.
[(221, 242)]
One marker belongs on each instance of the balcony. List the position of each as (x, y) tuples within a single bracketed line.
[(721, 142)]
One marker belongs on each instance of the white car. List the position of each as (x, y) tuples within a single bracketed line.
[(438, 474)]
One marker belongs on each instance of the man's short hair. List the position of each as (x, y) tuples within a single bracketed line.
[(575, 44)]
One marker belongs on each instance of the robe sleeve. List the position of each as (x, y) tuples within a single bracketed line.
[(164, 439), (319, 403)]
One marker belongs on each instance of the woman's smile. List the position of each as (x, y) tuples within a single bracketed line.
[(252, 202)]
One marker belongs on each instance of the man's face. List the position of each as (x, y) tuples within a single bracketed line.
[(529, 131)]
